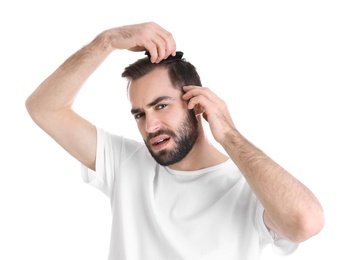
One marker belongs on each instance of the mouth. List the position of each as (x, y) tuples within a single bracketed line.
[(160, 142)]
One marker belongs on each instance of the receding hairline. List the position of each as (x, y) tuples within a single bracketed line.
[(160, 68)]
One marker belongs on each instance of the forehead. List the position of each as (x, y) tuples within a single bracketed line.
[(151, 86)]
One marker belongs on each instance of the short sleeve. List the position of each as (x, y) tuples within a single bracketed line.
[(103, 177), (280, 245)]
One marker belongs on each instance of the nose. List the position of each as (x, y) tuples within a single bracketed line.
[(152, 124)]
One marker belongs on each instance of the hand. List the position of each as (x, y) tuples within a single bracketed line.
[(146, 36), (215, 110)]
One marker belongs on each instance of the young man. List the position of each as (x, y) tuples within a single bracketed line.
[(176, 196)]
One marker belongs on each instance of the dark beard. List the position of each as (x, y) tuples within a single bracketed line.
[(187, 137)]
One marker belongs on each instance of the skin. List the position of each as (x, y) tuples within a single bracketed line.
[(291, 209), (169, 113)]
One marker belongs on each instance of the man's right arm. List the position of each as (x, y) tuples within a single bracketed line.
[(50, 105)]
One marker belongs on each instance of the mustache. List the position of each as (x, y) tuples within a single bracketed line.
[(160, 132)]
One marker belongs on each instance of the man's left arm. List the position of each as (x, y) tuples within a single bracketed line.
[(291, 209)]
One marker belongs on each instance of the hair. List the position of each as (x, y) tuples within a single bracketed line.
[(181, 72)]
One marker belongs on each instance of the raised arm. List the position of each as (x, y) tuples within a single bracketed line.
[(50, 105), (291, 209)]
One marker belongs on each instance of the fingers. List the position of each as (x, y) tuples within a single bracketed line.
[(160, 49), (213, 109), (159, 42), (146, 36), (163, 49), (203, 98), (196, 96)]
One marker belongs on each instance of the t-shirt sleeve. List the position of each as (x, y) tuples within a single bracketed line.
[(106, 160), (280, 245)]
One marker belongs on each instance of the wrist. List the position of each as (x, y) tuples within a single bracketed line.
[(232, 139), (104, 41)]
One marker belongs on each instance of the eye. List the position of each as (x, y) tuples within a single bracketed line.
[(138, 116), (160, 106)]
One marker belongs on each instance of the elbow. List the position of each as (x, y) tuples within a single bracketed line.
[(308, 226), (34, 109), (30, 106)]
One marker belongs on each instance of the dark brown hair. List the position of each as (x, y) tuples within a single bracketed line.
[(181, 72)]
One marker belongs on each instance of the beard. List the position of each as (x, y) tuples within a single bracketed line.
[(186, 137)]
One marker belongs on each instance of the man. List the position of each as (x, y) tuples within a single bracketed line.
[(176, 196)]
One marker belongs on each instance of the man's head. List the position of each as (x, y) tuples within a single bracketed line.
[(168, 127)]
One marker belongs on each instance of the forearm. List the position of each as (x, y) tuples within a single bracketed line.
[(291, 209), (59, 90)]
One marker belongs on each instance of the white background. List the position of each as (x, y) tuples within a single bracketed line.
[(278, 64)]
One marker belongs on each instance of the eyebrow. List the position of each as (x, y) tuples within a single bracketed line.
[(151, 104)]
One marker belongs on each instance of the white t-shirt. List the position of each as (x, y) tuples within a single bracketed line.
[(162, 214)]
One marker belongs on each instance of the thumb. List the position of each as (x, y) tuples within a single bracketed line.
[(205, 116)]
